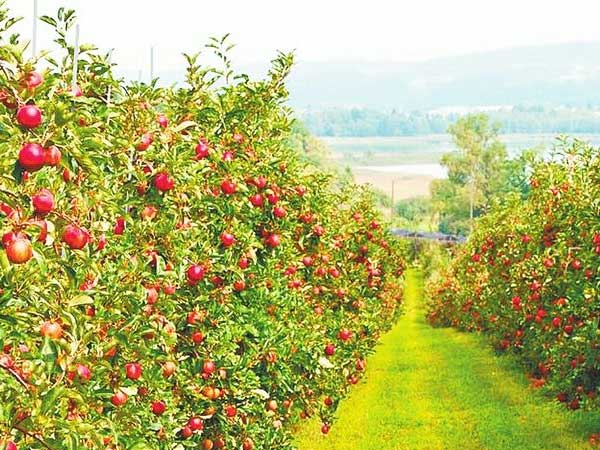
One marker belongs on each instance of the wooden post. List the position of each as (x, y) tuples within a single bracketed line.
[(75, 60)]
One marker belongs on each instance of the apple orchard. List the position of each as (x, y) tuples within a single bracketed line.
[(173, 275)]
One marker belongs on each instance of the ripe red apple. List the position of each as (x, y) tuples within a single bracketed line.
[(248, 444), (230, 411), (228, 187), (51, 330), (18, 248), (208, 444), (119, 399), (239, 285), (84, 372), (162, 120), (186, 432), (329, 349), (257, 200), (328, 401), (75, 237), (145, 142), (158, 408), (33, 80), (243, 263), (197, 337), (31, 157), (29, 116), (279, 212), (345, 334), (325, 428), (227, 239), (195, 273), (43, 201), (209, 367), (163, 182), (52, 156), (228, 156), (133, 371), (195, 423), (273, 240), (202, 149)]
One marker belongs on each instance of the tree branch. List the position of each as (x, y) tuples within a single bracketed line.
[(32, 435)]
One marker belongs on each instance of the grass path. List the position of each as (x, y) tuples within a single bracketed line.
[(433, 389)]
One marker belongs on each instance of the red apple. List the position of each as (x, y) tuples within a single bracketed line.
[(163, 182), (227, 239), (257, 200), (228, 187), (43, 201), (273, 240), (158, 408), (33, 80), (279, 212), (195, 423), (52, 156), (18, 248), (119, 399), (145, 142), (202, 149), (209, 367), (195, 273), (162, 120), (31, 157), (75, 237), (29, 116), (133, 371)]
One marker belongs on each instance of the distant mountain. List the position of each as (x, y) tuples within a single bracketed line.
[(552, 75)]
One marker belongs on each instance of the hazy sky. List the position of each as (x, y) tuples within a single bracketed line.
[(376, 30)]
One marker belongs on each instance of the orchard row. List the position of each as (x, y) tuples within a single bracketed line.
[(172, 274), (529, 277)]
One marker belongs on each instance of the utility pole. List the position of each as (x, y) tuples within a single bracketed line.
[(34, 34), (151, 64)]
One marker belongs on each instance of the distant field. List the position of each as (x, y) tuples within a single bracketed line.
[(382, 161)]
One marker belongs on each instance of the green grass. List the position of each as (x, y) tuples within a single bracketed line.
[(432, 389)]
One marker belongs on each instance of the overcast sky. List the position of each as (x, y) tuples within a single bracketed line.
[(375, 30)]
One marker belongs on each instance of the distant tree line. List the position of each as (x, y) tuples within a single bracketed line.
[(358, 122)]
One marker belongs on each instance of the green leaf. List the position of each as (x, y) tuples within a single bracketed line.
[(81, 300)]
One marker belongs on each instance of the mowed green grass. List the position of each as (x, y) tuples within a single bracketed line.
[(432, 389)]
